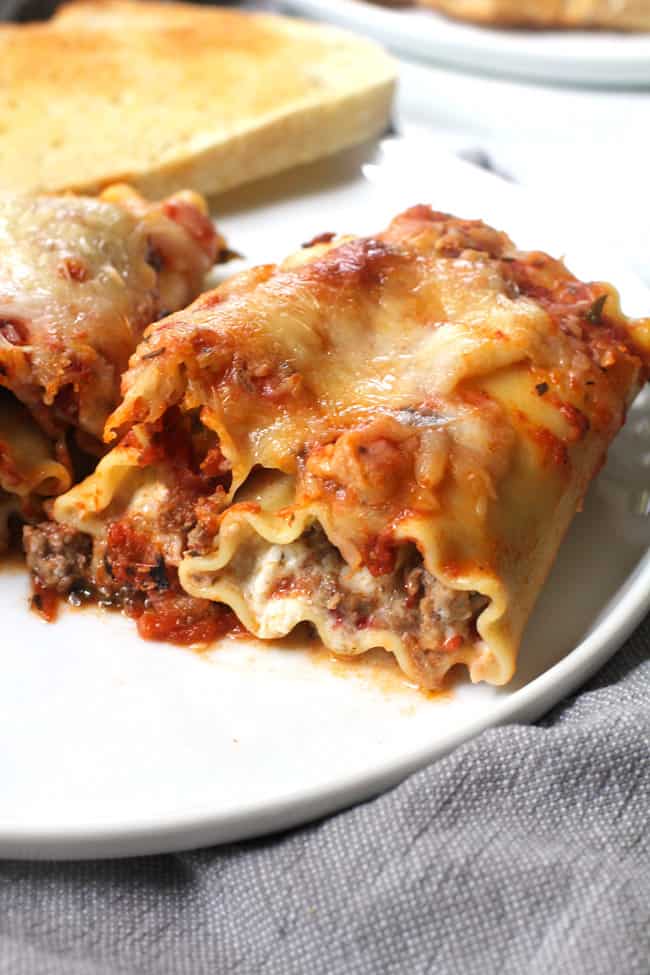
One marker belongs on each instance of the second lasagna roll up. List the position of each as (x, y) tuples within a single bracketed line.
[(80, 279), (386, 437)]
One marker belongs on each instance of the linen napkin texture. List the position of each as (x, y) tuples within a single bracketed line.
[(524, 852)]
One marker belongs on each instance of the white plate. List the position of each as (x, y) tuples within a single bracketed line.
[(582, 57), (113, 746)]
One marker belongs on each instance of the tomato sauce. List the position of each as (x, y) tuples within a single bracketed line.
[(175, 617), (44, 601)]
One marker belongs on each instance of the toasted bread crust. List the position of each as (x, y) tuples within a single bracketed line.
[(171, 95)]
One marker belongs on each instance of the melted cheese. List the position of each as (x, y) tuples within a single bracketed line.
[(68, 324), (78, 289)]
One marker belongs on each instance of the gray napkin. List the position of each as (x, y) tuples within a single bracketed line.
[(525, 852)]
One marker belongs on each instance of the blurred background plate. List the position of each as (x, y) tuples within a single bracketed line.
[(579, 57)]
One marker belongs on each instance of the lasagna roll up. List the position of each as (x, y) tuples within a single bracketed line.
[(80, 279), (384, 437)]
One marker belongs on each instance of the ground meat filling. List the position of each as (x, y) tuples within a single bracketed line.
[(409, 601), (133, 564), (123, 572), (58, 557), (127, 573)]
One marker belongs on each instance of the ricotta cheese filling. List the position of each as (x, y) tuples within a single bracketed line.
[(308, 580)]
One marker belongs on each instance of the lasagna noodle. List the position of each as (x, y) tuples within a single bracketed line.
[(29, 469), (28, 465), (429, 404)]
